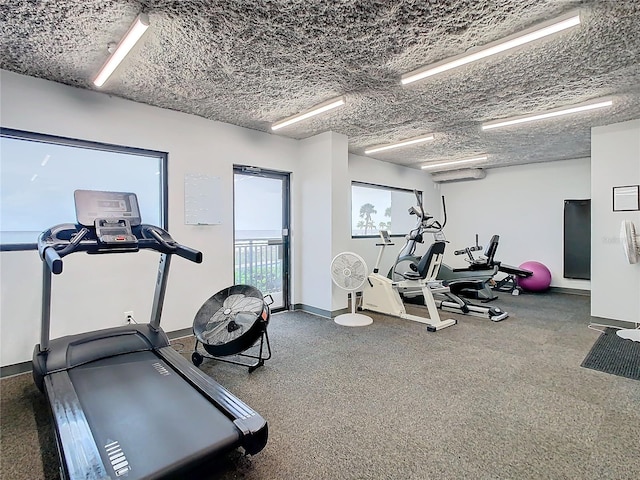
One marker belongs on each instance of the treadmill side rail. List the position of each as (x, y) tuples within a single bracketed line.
[(77, 445), (253, 427)]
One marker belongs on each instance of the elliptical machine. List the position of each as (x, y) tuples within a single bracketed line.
[(407, 262)]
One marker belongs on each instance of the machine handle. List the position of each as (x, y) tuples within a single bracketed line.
[(174, 247), (467, 250), (53, 260), (188, 253)]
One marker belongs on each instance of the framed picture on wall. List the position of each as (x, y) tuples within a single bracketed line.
[(626, 198)]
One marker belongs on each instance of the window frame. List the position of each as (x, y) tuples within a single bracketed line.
[(379, 187), (91, 145)]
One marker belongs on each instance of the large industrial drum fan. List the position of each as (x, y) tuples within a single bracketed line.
[(231, 322)]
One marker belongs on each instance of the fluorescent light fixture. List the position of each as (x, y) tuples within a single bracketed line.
[(45, 160), (403, 143), (122, 49), (529, 35), (429, 166), (556, 112), (321, 108)]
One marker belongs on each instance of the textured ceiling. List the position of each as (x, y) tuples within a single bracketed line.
[(250, 63)]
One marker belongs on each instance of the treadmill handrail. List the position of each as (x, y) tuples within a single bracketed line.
[(64, 239), (172, 246), (67, 238), (53, 259)]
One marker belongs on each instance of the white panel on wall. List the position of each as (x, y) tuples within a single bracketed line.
[(203, 200)]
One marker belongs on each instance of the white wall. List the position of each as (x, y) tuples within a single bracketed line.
[(81, 302), (312, 233), (125, 282), (324, 216), (615, 161), (525, 206), (367, 170), (522, 204), (340, 209)]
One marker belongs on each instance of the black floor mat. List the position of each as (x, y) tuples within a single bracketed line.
[(615, 355)]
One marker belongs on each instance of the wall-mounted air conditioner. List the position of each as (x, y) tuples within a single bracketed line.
[(459, 175)]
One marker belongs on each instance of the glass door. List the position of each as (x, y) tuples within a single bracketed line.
[(261, 232)]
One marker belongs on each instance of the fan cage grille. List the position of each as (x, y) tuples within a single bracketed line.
[(232, 320), (348, 271), (630, 241)]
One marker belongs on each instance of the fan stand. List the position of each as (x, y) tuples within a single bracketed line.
[(198, 356), (629, 334), (353, 319)]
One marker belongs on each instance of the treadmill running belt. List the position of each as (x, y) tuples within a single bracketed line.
[(146, 419)]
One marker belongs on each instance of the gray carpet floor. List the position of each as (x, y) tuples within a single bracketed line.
[(479, 400)]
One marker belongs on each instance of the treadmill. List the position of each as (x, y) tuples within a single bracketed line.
[(124, 403)]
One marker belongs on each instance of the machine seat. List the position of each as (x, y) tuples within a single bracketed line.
[(429, 264), (486, 262)]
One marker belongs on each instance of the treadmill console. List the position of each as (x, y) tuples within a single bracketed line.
[(91, 205), (114, 231), (112, 214)]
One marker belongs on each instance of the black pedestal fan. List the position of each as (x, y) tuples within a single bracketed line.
[(231, 322)]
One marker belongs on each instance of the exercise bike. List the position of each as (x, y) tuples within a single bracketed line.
[(407, 262), (478, 280), (381, 294)]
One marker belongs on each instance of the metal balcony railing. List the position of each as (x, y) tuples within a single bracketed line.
[(258, 263)]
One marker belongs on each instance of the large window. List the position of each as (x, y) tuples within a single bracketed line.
[(39, 173), (376, 207)]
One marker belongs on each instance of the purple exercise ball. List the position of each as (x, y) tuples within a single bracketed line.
[(539, 281)]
